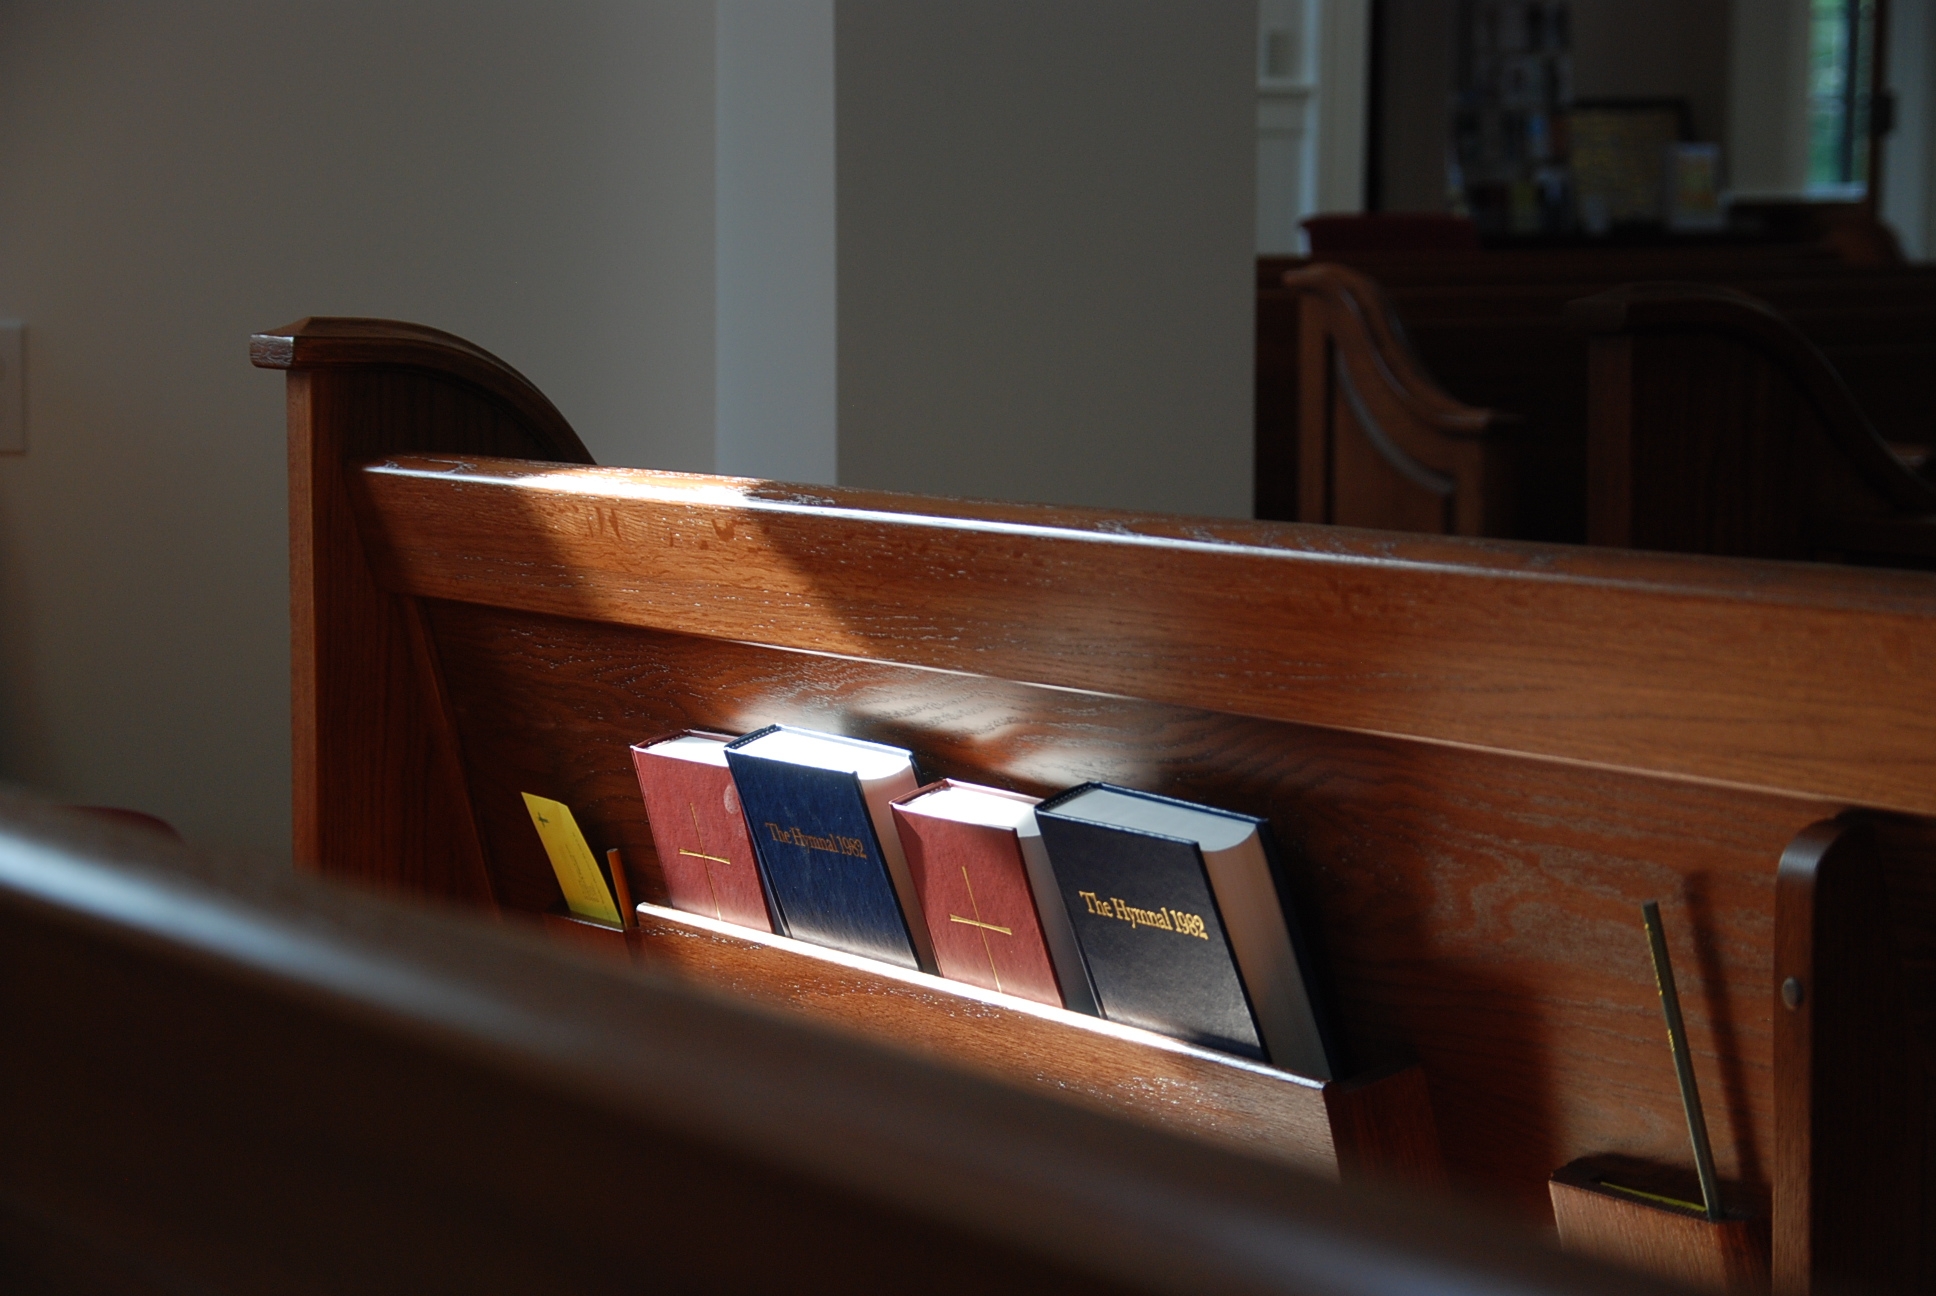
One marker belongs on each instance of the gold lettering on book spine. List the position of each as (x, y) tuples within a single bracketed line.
[(985, 927), (1162, 918), (833, 843)]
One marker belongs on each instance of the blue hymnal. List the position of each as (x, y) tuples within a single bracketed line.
[(829, 879)]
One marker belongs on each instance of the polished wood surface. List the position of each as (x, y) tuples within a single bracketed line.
[(1481, 756), (1378, 443), (1717, 427), (1852, 1088), (1614, 660), (226, 1078), (1526, 1009), (1646, 1233), (1377, 1128), (358, 388)]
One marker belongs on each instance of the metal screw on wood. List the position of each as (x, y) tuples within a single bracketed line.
[(1791, 992)]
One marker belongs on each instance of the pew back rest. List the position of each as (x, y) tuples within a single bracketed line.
[(1379, 444), (1717, 427), (1490, 329)]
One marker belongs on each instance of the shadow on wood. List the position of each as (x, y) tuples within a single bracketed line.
[(1649, 1218)]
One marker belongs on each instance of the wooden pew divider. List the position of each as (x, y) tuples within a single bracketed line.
[(1479, 757), (1378, 443)]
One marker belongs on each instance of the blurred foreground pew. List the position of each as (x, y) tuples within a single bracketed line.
[(222, 1077)]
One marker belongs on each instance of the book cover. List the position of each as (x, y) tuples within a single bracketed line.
[(1180, 914), (705, 854), (827, 872), (572, 860), (964, 846)]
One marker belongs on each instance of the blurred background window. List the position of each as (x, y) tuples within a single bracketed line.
[(1841, 44)]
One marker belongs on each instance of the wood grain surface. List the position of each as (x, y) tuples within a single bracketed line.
[(1728, 432), (377, 792), (1491, 329), (1758, 675), (1132, 1073), (1475, 911), (1480, 756), (1727, 1255), (1380, 445)]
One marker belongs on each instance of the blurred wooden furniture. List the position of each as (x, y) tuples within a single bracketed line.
[(1716, 427), (1481, 757), (223, 1078), (1390, 232), (1378, 444), (1490, 329)]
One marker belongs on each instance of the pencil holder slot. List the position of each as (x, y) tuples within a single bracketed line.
[(1647, 1217)]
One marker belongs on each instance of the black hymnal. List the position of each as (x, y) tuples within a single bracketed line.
[(1182, 924)]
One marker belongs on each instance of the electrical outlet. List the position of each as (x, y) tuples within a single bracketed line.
[(13, 390)]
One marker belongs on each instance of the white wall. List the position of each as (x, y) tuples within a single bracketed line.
[(1045, 249), (1767, 126), (1039, 287), (1909, 152), (538, 178), (777, 298), (1344, 78), (1288, 56)]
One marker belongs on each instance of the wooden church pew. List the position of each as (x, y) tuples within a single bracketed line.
[(1378, 443), (1717, 427), (1481, 756), (1545, 265), (1506, 346), (228, 1078), (1520, 355)]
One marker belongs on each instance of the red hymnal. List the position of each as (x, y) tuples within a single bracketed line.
[(964, 848), (697, 828)]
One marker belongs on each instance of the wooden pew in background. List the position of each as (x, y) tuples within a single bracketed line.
[(227, 1078), (1543, 386), (1716, 427), (1481, 757), (1504, 344), (1378, 444)]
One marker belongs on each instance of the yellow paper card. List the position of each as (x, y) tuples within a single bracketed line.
[(571, 860)]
